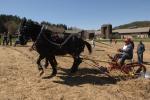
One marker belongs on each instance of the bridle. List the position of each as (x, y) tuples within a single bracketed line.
[(37, 39)]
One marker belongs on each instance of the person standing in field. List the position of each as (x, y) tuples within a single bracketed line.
[(5, 39), (10, 38), (140, 51)]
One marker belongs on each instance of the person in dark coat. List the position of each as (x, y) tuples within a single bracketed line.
[(5, 38), (140, 51)]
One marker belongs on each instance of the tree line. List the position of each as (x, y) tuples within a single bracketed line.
[(11, 23)]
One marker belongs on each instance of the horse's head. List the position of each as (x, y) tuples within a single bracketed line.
[(28, 30)]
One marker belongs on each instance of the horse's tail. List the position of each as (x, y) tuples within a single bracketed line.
[(88, 45)]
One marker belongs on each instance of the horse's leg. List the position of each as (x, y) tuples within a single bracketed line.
[(39, 63), (54, 60), (76, 63), (53, 64), (46, 63)]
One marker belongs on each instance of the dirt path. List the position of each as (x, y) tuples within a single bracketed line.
[(19, 80)]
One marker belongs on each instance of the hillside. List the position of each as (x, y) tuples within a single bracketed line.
[(134, 24)]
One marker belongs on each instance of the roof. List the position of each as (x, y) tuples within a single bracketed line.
[(97, 32), (90, 31), (135, 30), (72, 31)]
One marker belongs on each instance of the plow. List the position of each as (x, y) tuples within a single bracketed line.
[(130, 70)]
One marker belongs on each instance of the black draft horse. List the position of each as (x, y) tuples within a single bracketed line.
[(48, 46)]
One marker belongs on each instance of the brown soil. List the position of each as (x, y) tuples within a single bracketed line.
[(20, 80)]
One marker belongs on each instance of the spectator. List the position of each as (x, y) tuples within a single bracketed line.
[(140, 51), (5, 39), (10, 39)]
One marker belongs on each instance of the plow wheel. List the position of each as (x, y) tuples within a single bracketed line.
[(129, 71), (137, 69)]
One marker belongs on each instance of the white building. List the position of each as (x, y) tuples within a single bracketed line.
[(135, 32)]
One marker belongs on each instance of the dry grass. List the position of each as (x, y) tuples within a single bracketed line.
[(19, 78)]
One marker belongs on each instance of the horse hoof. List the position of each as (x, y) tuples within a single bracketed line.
[(41, 72), (48, 77), (72, 74), (54, 74), (73, 70)]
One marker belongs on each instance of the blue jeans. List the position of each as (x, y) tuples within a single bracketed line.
[(140, 58), (123, 57)]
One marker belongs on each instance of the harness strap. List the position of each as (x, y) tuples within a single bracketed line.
[(51, 42), (57, 44)]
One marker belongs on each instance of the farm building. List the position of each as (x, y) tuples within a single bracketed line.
[(107, 32), (134, 33), (85, 34)]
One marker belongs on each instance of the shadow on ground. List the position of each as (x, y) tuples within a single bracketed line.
[(147, 63), (99, 50), (83, 76)]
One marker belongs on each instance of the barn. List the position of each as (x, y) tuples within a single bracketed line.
[(133, 33)]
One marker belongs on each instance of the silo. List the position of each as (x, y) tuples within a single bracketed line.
[(103, 30), (106, 30), (109, 31)]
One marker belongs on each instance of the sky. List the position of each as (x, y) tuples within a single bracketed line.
[(84, 14)]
